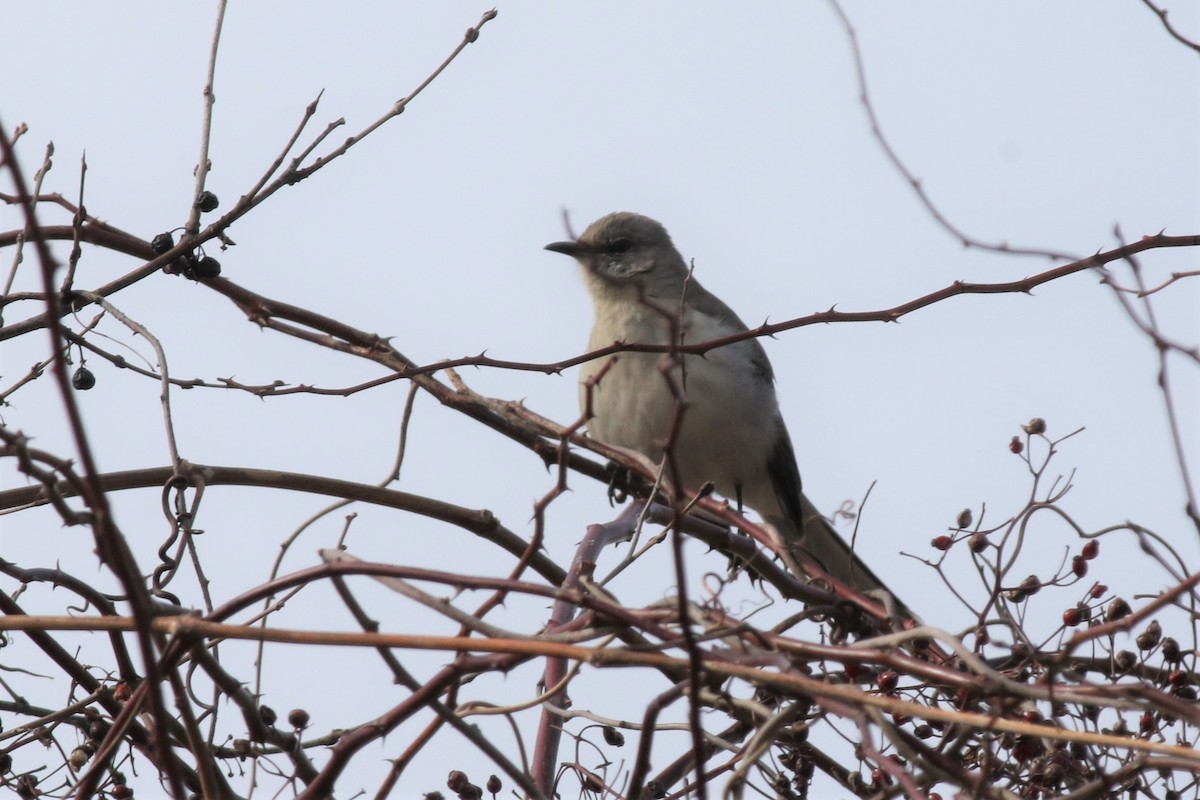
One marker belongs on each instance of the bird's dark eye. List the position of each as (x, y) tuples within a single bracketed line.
[(619, 247)]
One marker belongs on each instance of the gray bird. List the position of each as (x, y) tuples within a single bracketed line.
[(732, 433)]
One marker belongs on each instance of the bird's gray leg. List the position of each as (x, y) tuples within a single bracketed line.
[(736, 563), (617, 474)]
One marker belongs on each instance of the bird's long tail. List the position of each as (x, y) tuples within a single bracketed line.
[(814, 535), (806, 532)]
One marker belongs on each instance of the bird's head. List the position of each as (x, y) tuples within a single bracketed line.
[(623, 247)]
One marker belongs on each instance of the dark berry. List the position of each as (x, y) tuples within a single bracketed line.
[(1150, 637), (97, 729), (207, 201), (83, 379), (457, 780), (1117, 609), (207, 267), (162, 243)]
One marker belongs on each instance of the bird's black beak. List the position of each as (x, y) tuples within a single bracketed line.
[(571, 249)]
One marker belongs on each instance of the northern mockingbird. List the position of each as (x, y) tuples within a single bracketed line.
[(732, 434)]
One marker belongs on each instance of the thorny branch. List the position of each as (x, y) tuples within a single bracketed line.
[(1017, 705)]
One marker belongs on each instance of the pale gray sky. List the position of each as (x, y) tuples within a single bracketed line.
[(1035, 124)]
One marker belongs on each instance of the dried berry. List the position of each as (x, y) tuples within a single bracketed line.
[(1091, 549), (942, 542), (855, 670), (1170, 650), (887, 681), (592, 783), (1035, 426), (1079, 566), (185, 265), (964, 518), (613, 736), (1150, 637), (457, 780), (162, 242), (298, 718), (268, 714), (1099, 590), (1117, 609), (1016, 445), (97, 729), (493, 785), (83, 379), (78, 758), (206, 268), (207, 201), (27, 787), (1072, 617), (978, 542), (1027, 747)]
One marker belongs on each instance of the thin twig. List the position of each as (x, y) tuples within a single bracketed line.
[(204, 164)]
